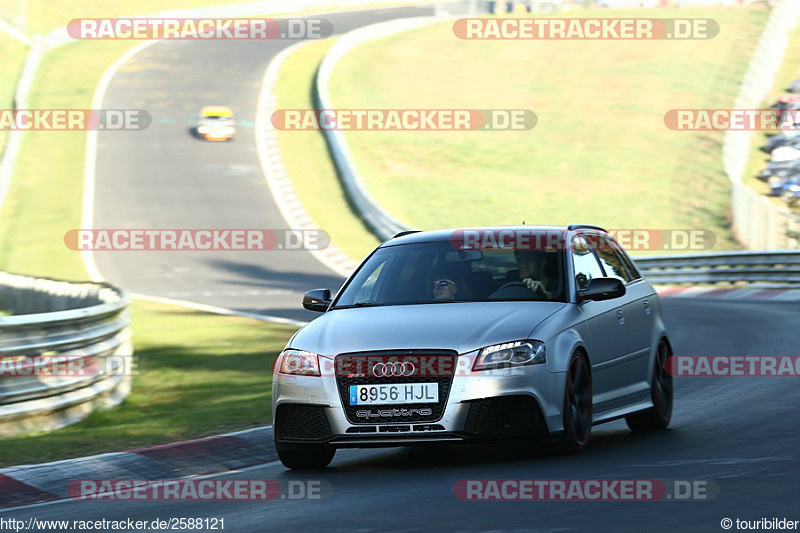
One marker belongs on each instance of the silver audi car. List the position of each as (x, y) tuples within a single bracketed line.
[(531, 332)]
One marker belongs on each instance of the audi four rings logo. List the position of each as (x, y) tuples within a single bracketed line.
[(393, 369)]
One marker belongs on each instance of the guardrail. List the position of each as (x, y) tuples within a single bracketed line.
[(768, 270), (89, 322), (379, 222)]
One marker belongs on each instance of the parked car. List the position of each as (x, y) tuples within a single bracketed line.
[(790, 138), (778, 185), (780, 169), (785, 153)]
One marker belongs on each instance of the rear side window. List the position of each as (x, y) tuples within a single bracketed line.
[(626, 260), (586, 266), (610, 260)]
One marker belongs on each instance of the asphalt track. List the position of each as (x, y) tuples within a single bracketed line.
[(741, 433), (165, 178)]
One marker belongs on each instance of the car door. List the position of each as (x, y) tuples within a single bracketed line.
[(604, 323), (629, 373)]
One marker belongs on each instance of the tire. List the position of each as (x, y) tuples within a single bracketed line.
[(661, 391), (577, 408), (308, 459)]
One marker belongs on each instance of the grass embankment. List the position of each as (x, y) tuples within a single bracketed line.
[(305, 155), (47, 15), (12, 57), (208, 374), (600, 153)]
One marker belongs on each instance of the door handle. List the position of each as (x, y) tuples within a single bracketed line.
[(620, 318), (647, 309)]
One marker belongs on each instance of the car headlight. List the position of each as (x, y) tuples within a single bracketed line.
[(299, 362), (511, 354)]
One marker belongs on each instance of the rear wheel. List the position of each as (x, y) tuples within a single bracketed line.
[(308, 459), (659, 416), (577, 408)]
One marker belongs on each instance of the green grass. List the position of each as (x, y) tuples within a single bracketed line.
[(305, 155), (47, 15), (206, 375), (209, 374), (44, 201), (600, 152), (12, 57)]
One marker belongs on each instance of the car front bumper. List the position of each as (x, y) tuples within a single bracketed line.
[(524, 401)]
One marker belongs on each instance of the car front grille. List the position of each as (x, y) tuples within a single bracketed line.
[(301, 422), (432, 366), (505, 416)]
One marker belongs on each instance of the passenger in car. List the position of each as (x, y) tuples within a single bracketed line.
[(444, 289)]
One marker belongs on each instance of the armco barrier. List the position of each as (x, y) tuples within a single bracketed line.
[(381, 223), (48, 317), (768, 270)]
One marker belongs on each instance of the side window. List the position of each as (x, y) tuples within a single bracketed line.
[(585, 263), (632, 270), (368, 291), (611, 262)]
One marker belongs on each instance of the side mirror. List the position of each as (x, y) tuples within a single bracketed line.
[(317, 300), (602, 289)]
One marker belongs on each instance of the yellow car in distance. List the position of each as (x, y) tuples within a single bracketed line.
[(216, 123)]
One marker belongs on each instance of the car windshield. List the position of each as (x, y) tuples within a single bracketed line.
[(437, 272), (217, 118)]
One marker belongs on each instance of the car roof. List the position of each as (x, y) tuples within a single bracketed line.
[(216, 111), (441, 235)]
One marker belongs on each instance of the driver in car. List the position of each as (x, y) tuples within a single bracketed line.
[(534, 274)]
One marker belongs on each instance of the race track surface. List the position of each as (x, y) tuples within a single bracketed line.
[(165, 178), (740, 433)]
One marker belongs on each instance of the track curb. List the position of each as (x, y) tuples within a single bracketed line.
[(47, 482)]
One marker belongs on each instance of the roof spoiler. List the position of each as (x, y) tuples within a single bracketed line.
[(573, 227), (406, 232)]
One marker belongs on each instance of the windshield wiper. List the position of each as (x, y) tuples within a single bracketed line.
[(360, 304)]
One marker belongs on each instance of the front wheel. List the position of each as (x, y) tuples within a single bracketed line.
[(658, 416), (577, 408), (308, 459)]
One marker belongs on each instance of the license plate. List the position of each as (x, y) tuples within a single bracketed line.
[(392, 394)]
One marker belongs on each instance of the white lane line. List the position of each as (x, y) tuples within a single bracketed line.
[(217, 310), (274, 171), (89, 190), (90, 162)]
